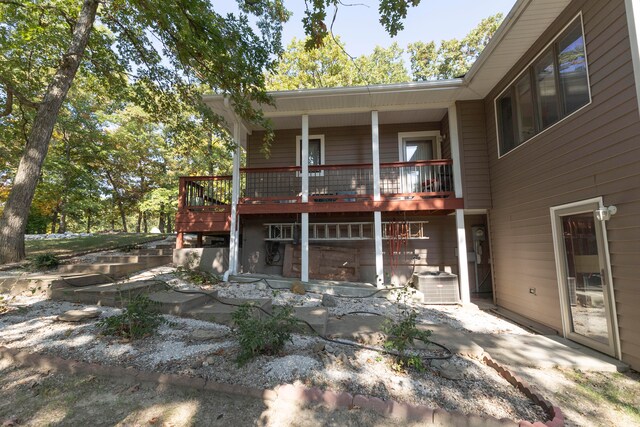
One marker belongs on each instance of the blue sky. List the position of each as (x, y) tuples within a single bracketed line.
[(359, 29)]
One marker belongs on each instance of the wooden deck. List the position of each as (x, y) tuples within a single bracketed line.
[(426, 187)]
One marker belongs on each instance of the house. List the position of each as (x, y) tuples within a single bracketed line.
[(522, 178)]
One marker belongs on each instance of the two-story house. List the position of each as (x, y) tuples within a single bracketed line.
[(522, 177)]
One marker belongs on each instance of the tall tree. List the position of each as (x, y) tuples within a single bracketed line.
[(167, 50), (452, 58), (329, 65)]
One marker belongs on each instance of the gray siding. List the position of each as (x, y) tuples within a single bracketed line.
[(594, 152), (476, 188)]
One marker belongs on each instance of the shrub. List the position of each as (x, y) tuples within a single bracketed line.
[(201, 278), (45, 261), (139, 318), (257, 335), (400, 336)]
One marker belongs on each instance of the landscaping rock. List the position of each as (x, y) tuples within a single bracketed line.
[(261, 286), (78, 315), (450, 373), (318, 347), (298, 288), (329, 300), (207, 334)]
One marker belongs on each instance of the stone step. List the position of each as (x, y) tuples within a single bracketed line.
[(111, 269), (220, 312), (112, 294), (147, 260), (177, 303), (316, 317)]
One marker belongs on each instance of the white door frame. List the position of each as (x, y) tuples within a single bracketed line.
[(585, 206)]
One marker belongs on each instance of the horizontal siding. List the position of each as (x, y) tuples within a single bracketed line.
[(476, 186), (343, 145), (593, 153)]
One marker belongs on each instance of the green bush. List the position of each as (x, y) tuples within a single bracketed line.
[(197, 277), (400, 336), (45, 261), (139, 319), (258, 335)]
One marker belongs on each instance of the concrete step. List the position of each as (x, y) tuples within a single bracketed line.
[(111, 269), (80, 280), (177, 303), (220, 312), (316, 317), (165, 246), (147, 260), (151, 251), (114, 295)]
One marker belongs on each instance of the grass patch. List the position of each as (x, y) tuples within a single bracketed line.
[(612, 389), (66, 247)]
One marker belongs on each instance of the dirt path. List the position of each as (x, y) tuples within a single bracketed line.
[(29, 397)]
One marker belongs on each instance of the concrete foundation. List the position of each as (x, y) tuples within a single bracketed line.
[(211, 260)]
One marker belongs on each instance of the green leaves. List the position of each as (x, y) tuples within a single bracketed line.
[(454, 57)]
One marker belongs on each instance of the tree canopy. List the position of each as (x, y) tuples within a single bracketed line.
[(157, 55)]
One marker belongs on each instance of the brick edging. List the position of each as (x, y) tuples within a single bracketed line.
[(553, 412), (298, 393)]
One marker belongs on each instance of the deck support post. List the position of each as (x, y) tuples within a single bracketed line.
[(199, 240), (179, 240), (235, 191), (463, 266), (304, 235), (377, 215)]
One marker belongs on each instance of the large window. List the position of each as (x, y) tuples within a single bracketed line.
[(552, 87)]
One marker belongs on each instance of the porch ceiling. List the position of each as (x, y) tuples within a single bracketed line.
[(359, 119)]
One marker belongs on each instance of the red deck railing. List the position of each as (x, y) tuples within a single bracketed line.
[(327, 183)]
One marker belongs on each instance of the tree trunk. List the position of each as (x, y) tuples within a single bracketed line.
[(161, 220), (16, 211), (123, 216), (62, 227), (145, 226), (88, 221), (139, 222), (54, 220)]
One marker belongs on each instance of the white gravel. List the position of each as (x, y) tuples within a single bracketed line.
[(31, 325), (288, 368)]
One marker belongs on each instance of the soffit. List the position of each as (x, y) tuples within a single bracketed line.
[(525, 23)]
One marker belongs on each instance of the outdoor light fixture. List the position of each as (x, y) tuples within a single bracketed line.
[(604, 213)]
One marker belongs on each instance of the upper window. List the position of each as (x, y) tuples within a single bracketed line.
[(316, 152), (552, 87)]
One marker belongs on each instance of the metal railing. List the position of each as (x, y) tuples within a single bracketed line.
[(327, 183)]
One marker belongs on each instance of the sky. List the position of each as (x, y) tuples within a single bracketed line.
[(359, 29)]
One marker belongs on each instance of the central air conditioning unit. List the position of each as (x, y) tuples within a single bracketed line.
[(438, 287)]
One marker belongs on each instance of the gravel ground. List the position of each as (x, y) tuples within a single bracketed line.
[(177, 348)]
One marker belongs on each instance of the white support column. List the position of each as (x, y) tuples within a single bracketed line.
[(304, 162), (633, 22), (235, 192), (463, 265), (377, 215)]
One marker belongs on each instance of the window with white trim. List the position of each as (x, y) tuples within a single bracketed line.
[(552, 87), (315, 155)]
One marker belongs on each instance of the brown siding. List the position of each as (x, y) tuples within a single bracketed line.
[(472, 134), (343, 145), (593, 153)]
